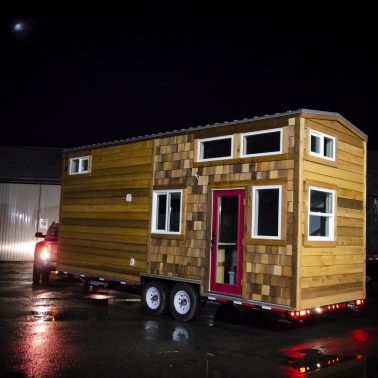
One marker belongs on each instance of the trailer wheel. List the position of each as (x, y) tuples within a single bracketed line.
[(183, 300), (155, 297)]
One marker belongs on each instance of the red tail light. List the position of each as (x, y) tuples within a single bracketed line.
[(359, 302), (299, 314), (44, 252)]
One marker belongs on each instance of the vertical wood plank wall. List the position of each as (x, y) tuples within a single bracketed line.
[(332, 272), (267, 263), (100, 231)]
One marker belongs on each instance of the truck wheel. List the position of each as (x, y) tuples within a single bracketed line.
[(45, 277), (155, 297), (183, 300), (36, 275)]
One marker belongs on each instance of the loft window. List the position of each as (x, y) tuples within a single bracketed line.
[(260, 143), (79, 165), (322, 145), (167, 211), (321, 213), (217, 148), (266, 212)]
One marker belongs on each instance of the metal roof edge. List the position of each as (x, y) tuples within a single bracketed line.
[(210, 126)]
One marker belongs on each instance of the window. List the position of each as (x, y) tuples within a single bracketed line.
[(266, 212), (259, 143), (79, 165), (322, 145), (321, 214), (167, 211), (215, 148)]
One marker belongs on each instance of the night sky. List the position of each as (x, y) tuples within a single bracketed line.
[(73, 77)]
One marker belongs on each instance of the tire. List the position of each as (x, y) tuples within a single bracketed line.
[(155, 297), (183, 302), (36, 275), (45, 277)]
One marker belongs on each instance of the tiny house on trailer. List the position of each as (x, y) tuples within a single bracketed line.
[(267, 212)]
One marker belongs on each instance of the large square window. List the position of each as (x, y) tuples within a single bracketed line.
[(79, 165), (266, 212), (260, 143), (321, 214), (217, 148), (322, 145), (167, 211)]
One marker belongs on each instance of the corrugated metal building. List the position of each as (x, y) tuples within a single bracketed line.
[(29, 197)]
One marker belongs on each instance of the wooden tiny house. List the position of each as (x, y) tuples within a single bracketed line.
[(266, 212)]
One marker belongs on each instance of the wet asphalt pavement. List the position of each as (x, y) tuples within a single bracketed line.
[(62, 331)]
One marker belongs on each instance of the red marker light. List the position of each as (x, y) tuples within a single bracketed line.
[(303, 313), (359, 302)]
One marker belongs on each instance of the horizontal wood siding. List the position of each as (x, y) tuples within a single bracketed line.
[(100, 232), (267, 263), (332, 272)]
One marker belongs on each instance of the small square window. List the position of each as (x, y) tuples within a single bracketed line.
[(218, 148), (260, 143), (167, 211), (322, 145), (79, 165), (266, 212), (321, 214)]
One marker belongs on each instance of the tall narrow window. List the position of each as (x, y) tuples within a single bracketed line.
[(322, 145), (217, 148), (321, 222), (260, 143), (266, 212), (79, 165), (167, 211)]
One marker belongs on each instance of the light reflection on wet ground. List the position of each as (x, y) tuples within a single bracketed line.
[(63, 331)]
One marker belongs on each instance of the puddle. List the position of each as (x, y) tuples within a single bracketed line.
[(307, 362)]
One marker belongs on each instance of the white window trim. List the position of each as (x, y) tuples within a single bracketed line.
[(255, 212), (331, 217), (80, 171), (243, 144), (167, 212), (200, 141), (321, 136)]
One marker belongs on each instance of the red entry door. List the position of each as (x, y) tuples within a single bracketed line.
[(227, 241)]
